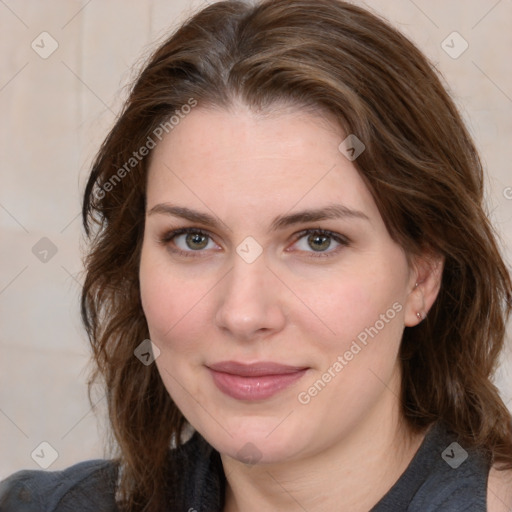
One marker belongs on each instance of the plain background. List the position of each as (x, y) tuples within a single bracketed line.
[(55, 111)]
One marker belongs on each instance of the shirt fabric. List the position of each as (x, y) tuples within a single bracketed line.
[(441, 477)]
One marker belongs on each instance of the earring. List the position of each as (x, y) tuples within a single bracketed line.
[(421, 316)]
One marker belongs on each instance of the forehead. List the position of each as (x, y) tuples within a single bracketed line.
[(241, 160)]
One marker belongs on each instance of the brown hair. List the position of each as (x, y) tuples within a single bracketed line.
[(420, 165)]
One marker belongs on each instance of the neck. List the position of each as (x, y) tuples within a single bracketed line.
[(351, 476)]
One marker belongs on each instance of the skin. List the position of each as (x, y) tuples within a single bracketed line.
[(499, 490), (348, 445)]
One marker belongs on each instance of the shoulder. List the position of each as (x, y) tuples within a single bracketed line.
[(87, 486), (499, 490), (446, 476)]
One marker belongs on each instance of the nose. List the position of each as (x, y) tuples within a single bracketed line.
[(250, 301)]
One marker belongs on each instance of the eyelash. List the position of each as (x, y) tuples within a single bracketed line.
[(169, 236), (343, 241)]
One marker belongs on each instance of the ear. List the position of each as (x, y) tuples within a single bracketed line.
[(424, 285)]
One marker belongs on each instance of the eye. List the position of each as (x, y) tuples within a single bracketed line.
[(319, 242), (187, 241)]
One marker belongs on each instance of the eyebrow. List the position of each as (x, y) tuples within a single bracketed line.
[(331, 211)]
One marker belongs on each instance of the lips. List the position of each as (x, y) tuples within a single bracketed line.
[(256, 381)]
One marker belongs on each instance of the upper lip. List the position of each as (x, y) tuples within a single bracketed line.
[(257, 369)]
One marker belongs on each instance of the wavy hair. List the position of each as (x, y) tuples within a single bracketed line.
[(420, 165)]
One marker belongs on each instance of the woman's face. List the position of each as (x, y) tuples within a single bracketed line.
[(281, 263)]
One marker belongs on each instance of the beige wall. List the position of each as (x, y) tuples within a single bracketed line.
[(54, 113)]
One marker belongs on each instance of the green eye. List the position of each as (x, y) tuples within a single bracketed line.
[(319, 242), (188, 241), (196, 241)]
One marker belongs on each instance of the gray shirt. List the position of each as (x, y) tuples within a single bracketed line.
[(442, 477)]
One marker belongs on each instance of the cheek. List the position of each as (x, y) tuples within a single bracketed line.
[(361, 304), (357, 362), (174, 306)]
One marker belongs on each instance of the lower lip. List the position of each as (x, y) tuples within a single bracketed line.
[(254, 388)]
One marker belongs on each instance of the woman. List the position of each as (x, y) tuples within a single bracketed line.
[(293, 294)]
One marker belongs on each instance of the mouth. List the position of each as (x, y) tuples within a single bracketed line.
[(256, 381)]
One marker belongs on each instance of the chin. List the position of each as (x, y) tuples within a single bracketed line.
[(256, 441)]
